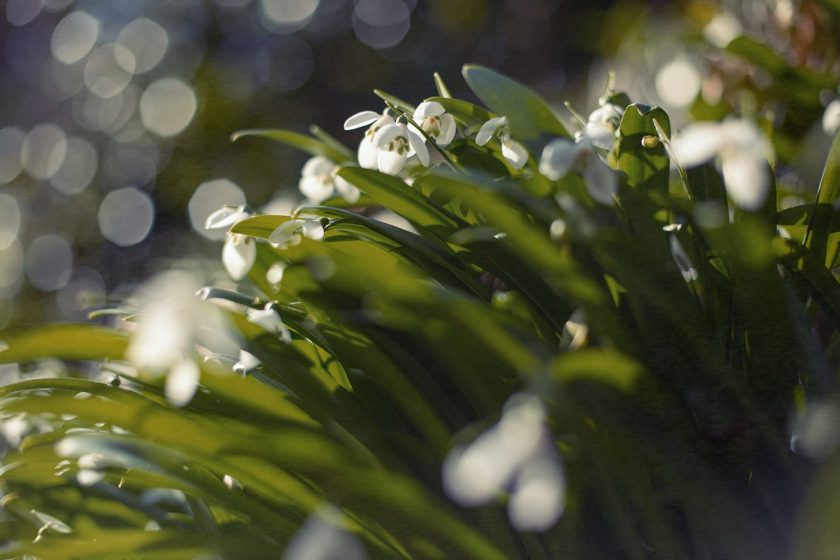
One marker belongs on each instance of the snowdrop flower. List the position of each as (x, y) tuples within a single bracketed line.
[(247, 363), (269, 319), (435, 122), (601, 125), (831, 118), (368, 153), (512, 150), (290, 232), (396, 143), (319, 180), (172, 321), (516, 455), (741, 151), (240, 251), (562, 156), (322, 537)]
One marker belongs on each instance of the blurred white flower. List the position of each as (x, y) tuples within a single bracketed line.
[(368, 153), (239, 251), (269, 319), (512, 150), (689, 273), (515, 455), (247, 362), (562, 156), (741, 151), (831, 118), (433, 119), (91, 469), (173, 323), (318, 181), (322, 537), (601, 125)]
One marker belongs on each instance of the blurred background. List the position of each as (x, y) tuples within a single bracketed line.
[(115, 117)]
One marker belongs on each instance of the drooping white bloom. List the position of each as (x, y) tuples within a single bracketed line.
[(512, 150), (239, 251), (291, 231), (247, 362), (562, 156), (433, 119), (515, 455), (172, 324), (319, 181), (269, 319), (322, 537), (395, 144), (831, 118), (601, 126), (741, 151), (368, 153)]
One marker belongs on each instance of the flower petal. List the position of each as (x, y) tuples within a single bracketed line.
[(312, 229), (698, 143), (488, 129), (317, 166), (831, 118), (515, 153), (539, 495), (368, 152), (746, 178), (447, 130), (600, 135), (418, 144), (601, 182), (315, 188), (388, 133), (285, 232), (238, 255), (360, 119), (348, 191), (225, 217), (182, 383), (428, 109), (391, 162), (558, 157)]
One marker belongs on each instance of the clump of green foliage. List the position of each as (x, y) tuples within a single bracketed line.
[(678, 353)]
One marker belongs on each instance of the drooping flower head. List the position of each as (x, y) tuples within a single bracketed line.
[(387, 144), (512, 150), (741, 151), (435, 122), (562, 156), (319, 181), (239, 251)]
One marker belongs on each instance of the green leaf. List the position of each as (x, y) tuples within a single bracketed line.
[(302, 142), (822, 236), (443, 91), (393, 193), (403, 106), (331, 142), (73, 341), (646, 168), (598, 365), (531, 120)]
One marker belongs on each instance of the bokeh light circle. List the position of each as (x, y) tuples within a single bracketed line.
[(167, 106), (74, 37), (209, 197), (126, 216), (49, 262)]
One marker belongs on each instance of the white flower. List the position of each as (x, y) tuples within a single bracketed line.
[(290, 232), (689, 273), (172, 321), (433, 119), (742, 152), (562, 156), (601, 125), (247, 362), (318, 181), (831, 118), (517, 455), (513, 151), (368, 152), (269, 319), (322, 537), (240, 251)]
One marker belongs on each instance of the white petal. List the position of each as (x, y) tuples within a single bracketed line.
[(418, 144), (831, 118), (599, 135), (488, 129), (246, 363), (391, 162), (348, 191), (274, 274), (317, 166), (746, 179), (315, 188), (515, 153), (606, 113), (601, 182), (182, 383), (682, 259), (476, 474), (368, 153), (312, 229), (225, 217), (361, 119), (89, 477), (238, 255), (428, 109), (268, 319), (539, 496), (285, 232), (698, 143), (447, 130), (388, 133), (558, 157)]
